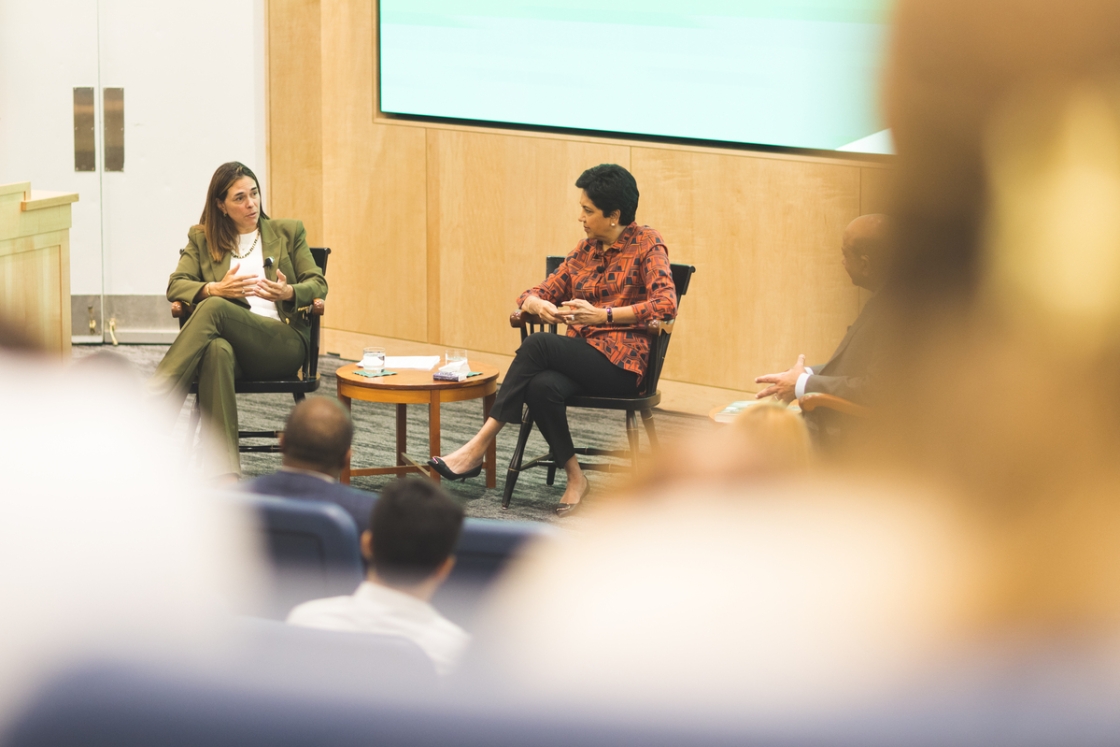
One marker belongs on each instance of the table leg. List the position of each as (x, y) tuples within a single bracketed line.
[(402, 433), (344, 477), (433, 430), (492, 449)]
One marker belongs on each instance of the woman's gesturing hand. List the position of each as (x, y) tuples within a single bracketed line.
[(278, 291), (578, 311), (234, 285), (542, 308)]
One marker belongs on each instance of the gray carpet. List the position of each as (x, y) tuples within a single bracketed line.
[(375, 439)]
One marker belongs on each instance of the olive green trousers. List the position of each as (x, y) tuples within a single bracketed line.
[(222, 342)]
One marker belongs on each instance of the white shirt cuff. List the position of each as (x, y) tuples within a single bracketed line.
[(799, 390)]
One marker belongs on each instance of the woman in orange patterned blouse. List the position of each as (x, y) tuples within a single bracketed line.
[(615, 280)]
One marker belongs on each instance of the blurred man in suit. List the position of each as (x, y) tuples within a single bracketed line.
[(316, 446), (866, 249)]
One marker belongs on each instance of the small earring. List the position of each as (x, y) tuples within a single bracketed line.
[(612, 225)]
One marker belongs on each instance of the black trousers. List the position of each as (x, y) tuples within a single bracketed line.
[(547, 370)]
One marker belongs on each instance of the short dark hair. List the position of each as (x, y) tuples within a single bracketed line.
[(415, 526), (611, 187), (318, 432)]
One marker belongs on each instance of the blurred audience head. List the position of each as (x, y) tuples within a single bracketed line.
[(773, 438), (1006, 291), (414, 527), (317, 436), (768, 441)]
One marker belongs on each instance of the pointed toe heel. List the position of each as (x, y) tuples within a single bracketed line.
[(445, 472)]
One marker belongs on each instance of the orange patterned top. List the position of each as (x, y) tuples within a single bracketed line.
[(634, 271)]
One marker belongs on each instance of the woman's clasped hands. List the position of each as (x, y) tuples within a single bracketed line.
[(576, 311), (233, 285)]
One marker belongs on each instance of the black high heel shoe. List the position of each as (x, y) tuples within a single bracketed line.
[(445, 472), (567, 509)]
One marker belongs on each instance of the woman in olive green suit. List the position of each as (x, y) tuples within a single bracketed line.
[(244, 323)]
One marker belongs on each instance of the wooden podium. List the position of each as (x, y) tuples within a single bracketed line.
[(35, 264)]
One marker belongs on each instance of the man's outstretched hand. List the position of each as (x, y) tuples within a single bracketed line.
[(782, 385)]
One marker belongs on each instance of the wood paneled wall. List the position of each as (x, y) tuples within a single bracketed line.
[(436, 228)]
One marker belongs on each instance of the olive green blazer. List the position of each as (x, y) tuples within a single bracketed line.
[(283, 240)]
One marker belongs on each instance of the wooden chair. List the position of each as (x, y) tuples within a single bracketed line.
[(650, 397), (299, 386)]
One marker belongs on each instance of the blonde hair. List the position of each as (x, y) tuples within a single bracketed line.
[(777, 436), (767, 441)]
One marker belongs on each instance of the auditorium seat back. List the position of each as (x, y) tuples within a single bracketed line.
[(313, 551), (484, 551)]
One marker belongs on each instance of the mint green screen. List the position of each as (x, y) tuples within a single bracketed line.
[(796, 73)]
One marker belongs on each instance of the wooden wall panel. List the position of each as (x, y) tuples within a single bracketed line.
[(295, 113), (875, 190), (374, 191), (502, 203), (764, 235)]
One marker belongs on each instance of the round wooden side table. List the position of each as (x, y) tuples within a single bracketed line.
[(418, 388)]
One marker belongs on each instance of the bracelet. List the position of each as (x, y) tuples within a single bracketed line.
[(610, 315)]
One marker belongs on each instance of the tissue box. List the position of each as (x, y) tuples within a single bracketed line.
[(456, 371)]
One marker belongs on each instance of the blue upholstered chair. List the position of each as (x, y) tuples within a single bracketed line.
[(313, 548), (485, 549)]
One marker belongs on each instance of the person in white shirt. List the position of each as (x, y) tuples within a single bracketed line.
[(413, 530)]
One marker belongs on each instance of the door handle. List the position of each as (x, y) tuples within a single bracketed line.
[(85, 150), (112, 110)]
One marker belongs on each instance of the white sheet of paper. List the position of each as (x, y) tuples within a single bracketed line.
[(415, 362)]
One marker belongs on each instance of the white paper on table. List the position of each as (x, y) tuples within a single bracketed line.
[(416, 362)]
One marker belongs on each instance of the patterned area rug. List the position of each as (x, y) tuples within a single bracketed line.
[(375, 439)]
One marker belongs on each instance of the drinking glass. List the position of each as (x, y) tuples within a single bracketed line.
[(373, 359), (455, 355)]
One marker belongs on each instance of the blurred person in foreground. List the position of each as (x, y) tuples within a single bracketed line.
[(109, 547), (766, 442), (315, 446), (867, 249), (964, 592), (413, 531)]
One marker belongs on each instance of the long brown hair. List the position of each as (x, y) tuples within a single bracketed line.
[(221, 232)]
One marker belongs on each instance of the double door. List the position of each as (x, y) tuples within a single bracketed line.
[(132, 105)]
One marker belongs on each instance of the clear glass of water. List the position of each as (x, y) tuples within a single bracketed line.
[(455, 355), (373, 359)]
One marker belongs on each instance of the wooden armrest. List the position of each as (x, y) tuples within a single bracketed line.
[(316, 308), (813, 400), (519, 319), (180, 310)]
